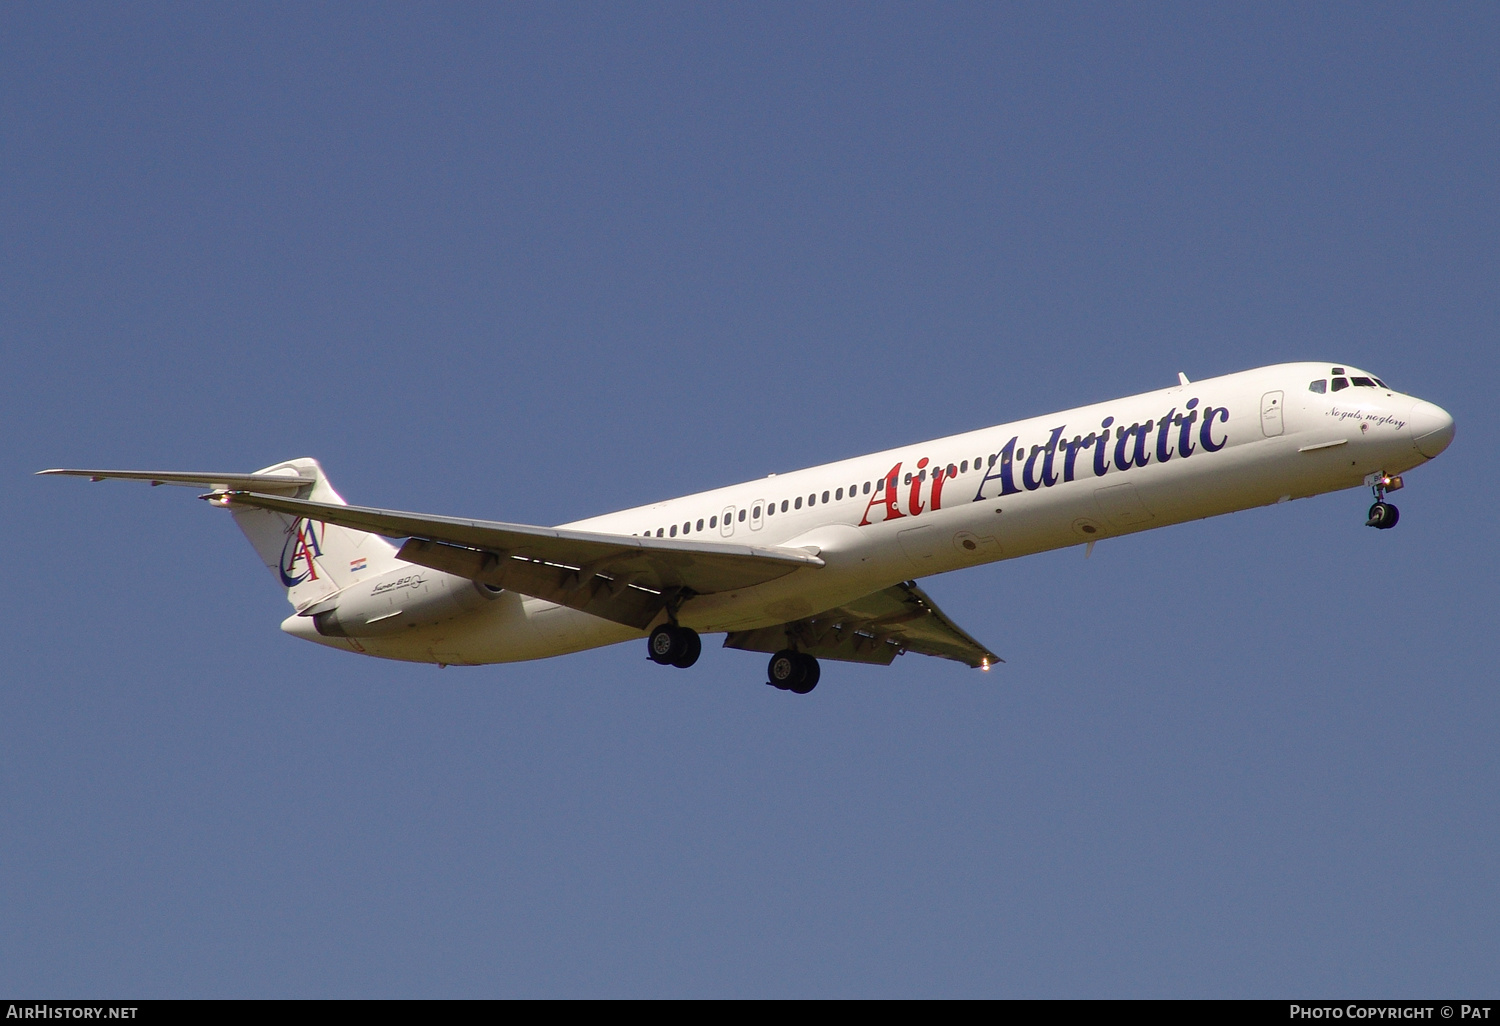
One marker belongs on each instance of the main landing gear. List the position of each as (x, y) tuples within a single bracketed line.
[(792, 671), (671, 645), (1383, 515)]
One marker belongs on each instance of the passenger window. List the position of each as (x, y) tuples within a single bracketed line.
[(1340, 383), (963, 468), (839, 495), (1320, 386), (674, 531), (908, 479), (798, 503), (742, 514), (783, 505), (825, 496), (1362, 382), (700, 524), (770, 509), (867, 488), (713, 521)]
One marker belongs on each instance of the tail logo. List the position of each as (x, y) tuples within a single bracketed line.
[(298, 553)]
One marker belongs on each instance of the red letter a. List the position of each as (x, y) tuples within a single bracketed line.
[(888, 500)]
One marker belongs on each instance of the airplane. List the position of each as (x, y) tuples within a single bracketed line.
[(819, 564)]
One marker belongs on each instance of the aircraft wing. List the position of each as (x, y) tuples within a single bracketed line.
[(618, 577), (873, 629)]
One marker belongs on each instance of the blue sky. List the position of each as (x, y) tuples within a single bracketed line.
[(533, 263)]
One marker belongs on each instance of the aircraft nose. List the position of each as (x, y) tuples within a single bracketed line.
[(1431, 428)]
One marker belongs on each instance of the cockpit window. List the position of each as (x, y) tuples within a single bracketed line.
[(1339, 383), (1320, 386), (1382, 384), (1363, 382)]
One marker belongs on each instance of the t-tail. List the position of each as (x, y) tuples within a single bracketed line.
[(343, 584), (313, 561)]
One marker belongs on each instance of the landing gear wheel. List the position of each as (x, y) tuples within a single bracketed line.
[(671, 645), (793, 671), (785, 670), (810, 674), (1383, 516), (692, 647)]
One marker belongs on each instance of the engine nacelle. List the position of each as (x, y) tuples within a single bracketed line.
[(398, 600)]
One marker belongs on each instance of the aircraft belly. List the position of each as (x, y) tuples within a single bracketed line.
[(513, 628)]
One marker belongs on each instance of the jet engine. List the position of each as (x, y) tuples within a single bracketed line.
[(398, 600)]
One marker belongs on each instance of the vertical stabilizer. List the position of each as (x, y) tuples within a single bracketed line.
[(312, 560)]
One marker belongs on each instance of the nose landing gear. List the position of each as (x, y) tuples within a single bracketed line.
[(1383, 515)]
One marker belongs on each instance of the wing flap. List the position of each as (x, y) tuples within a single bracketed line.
[(873, 629)]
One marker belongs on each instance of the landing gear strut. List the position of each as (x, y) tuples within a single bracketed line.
[(671, 645), (793, 671), (1383, 515)]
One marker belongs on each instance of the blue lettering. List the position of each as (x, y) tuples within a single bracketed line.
[(1163, 445), (1005, 474), (1101, 448), (1205, 434), (1070, 454), (1124, 460), (1185, 446), (1049, 478)]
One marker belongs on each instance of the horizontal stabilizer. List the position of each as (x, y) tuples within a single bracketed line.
[(276, 483)]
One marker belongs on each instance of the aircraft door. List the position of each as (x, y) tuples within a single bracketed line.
[(1270, 414), (756, 509), (726, 521)]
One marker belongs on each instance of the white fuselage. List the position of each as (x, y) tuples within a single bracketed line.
[(1181, 453)]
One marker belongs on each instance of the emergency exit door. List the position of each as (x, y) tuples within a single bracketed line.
[(1270, 414)]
